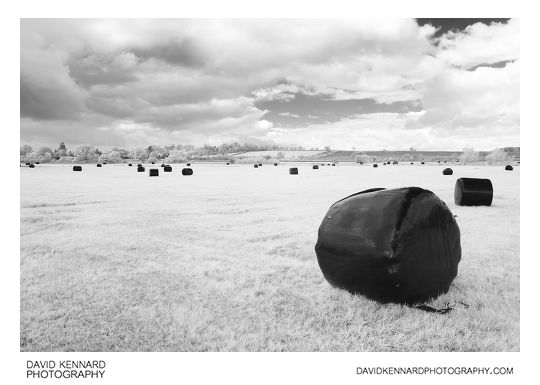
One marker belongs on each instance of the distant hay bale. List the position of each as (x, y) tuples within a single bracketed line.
[(255, 166), (130, 165), (275, 164), (77, 168), (31, 165), (447, 171), (37, 162), (227, 163), (422, 163), (395, 162), (508, 168), (98, 165), (293, 171), (333, 164), (315, 167), (412, 162), (104, 162), (260, 164), (188, 164), (140, 169), (375, 165), (153, 162), (187, 171), (167, 168), (139, 165), (473, 192), (162, 165), (154, 172), (328, 164), (27, 163)]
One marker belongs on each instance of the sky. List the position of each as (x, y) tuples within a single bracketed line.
[(431, 84)]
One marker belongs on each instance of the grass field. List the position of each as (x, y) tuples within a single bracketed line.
[(113, 260)]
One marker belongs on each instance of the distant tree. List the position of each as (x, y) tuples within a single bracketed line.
[(86, 153), (412, 149), (280, 155), (327, 148), (152, 159), (60, 151), (498, 156), (44, 150), (25, 150), (469, 155), (364, 158), (176, 156), (32, 157)]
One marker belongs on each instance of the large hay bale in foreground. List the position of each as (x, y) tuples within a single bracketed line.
[(77, 168), (315, 167), (400, 245), (447, 171), (167, 168), (140, 169), (473, 192), (187, 171), (153, 172), (508, 167), (293, 171)]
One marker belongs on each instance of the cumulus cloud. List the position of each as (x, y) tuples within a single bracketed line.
[(283, 81)]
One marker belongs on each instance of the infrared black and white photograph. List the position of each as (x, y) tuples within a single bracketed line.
[(270, 185)]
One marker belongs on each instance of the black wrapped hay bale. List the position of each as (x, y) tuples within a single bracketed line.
[(422, 163), (399, 245), (255, 166), (154, 172), (375, 165), (227, 163), (98, 165), (37, 162), (162, 165), (315, 167), (508, 168), (447, 171), (187, 171), (140, 169), (188, 164), (293, 171), (139, 165), (473, 192), (77, 168), (129, 164), (167, 168), (275, 164), (27, 163), (31, 165), (260, 164), (333, 164)]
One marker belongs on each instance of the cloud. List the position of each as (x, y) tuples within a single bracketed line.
[(199, 81)]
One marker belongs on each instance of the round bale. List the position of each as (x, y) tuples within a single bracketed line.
[(31, 165), (77, 168), (293, 171), (275, 164), (422, 163), (255, 166), (167, 168), (447, 171), (98, 165), (508, 167), (333, 164), (188, 164), (399, 245), (130, 165), (375, 165), (315, 167), (473, 192), (140, 169), (187, 171), (154, 172)]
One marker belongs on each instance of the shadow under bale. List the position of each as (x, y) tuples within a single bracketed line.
[(187, 171), (77, 168), (447, 171), (140, 169), (400, 245), (153, 172), (293, 171), (473, 192), (315, 167), (167, 168), (508, 167)]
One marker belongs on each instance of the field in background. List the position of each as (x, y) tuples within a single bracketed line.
[(113, 260)]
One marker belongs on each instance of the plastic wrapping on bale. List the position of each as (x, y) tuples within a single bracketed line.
[(187, 171), (188, 164), (315, 167), (227, 163), (508, 168), (447, 171), (140, 169), (167, 169), (255, 166), (473, 192), (98, 165), (422, 163), (333, 164), (129, 164), (77, 168), (31, 165), (400, 245), (375, 165), (293, 171), (275, 164), (162, 165), (154, 172)]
